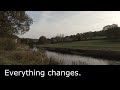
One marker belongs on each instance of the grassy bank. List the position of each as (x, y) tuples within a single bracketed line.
[(106, 49), (19, 54), (88, 45), (25, 58)]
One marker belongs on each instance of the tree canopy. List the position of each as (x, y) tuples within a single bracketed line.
[(112, 31), (42, 40), (14, 22)]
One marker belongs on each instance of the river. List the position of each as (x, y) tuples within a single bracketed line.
[(68, 59)]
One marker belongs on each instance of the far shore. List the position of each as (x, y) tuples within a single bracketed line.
[(102, 54)]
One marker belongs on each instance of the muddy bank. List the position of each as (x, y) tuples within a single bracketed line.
[(110, 55)]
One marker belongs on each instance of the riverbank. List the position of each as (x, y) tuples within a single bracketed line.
[(102, 49), (26, 58), (23, 55), (110, 55)]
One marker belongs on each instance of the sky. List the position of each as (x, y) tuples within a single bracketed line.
[(53, 23)]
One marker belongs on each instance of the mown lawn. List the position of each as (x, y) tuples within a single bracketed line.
[(90, 45)]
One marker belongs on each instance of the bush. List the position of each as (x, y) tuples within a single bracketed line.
[(7, 44)]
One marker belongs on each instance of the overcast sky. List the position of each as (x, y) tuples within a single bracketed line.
[(52, 23)]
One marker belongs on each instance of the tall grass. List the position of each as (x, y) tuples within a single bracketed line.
[(7, 44), (53, 61), (16, 53), (27, 58)]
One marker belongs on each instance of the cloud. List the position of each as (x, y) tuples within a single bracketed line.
[(51, 23)]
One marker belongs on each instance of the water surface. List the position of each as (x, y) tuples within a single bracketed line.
[(68, 59)]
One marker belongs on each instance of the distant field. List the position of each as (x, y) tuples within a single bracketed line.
[(89, 45)]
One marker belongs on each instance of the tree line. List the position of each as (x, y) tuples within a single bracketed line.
[(108, 32), (111, 32)]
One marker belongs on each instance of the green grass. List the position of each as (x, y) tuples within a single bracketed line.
[(89, 45)]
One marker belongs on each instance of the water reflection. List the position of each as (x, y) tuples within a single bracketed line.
[(79, 60)]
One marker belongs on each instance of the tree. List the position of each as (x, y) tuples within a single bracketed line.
[(73, 37), (59, 38), (78, 36), (62, 37), (14, 22), (112, 31), (110, 26), (67, 39), (42, 40), (53, 40)]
